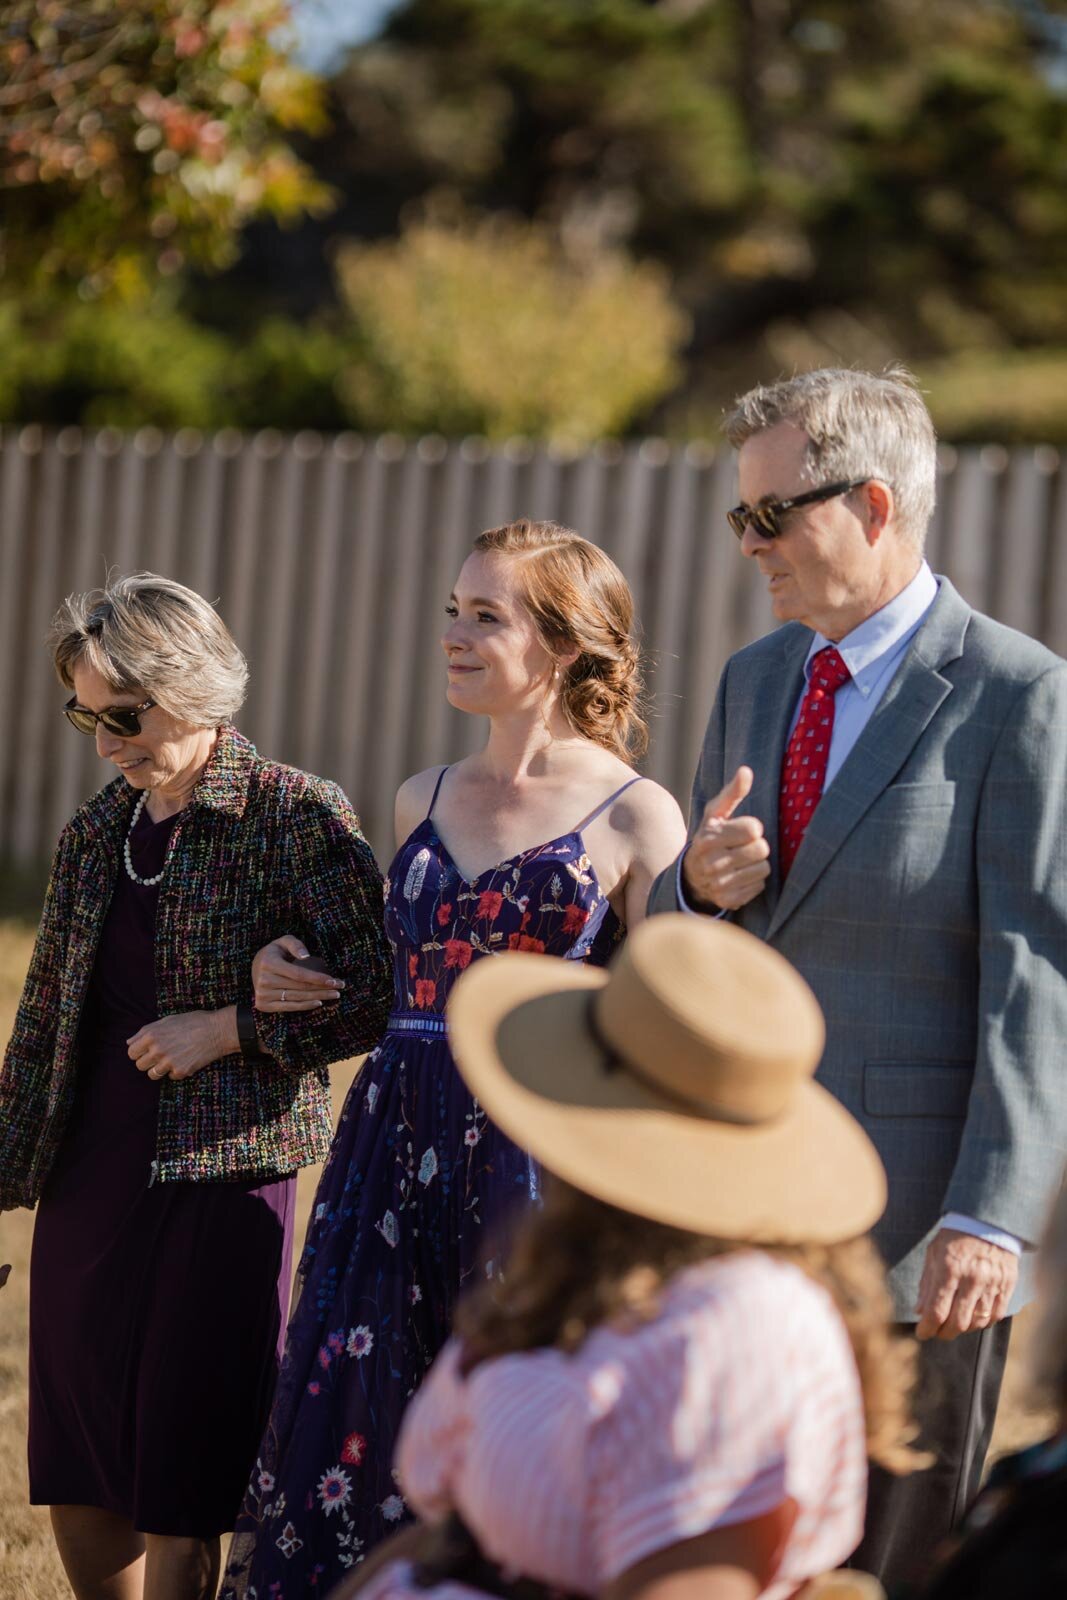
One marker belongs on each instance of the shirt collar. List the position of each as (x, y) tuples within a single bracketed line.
[(865, 649), (223, 784)]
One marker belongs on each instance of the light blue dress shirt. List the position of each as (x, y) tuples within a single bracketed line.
[(872, 653)]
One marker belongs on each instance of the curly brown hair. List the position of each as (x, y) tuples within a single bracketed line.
[(578, 1263), (578, 598)]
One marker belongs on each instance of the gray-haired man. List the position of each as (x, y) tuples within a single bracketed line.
[(882, 795)]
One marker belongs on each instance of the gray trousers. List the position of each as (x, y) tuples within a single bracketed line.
[(956, 1405)]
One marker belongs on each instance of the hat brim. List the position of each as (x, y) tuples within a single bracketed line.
[(520, 1035)]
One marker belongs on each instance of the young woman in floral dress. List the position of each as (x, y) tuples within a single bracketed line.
[(546, 840)]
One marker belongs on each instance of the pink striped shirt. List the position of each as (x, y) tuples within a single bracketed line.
[(741, 1393)]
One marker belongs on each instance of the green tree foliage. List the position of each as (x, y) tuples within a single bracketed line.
[(139, 136), (131, 364), (489, 327), (816, 180), (825, 180)]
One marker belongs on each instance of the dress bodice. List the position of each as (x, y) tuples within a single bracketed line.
[(546, 899)]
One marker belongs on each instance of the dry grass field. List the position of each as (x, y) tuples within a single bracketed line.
[(29, 1569)]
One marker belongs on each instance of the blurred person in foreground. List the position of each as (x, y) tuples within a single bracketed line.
[(1012, 1544), (545, 840), (671, 1392), (154, 1118), (882, 796)]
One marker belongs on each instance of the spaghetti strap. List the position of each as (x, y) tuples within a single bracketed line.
[(436, 792), (604, 804)]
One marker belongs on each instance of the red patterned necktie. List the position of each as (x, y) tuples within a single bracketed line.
[(808, 751)]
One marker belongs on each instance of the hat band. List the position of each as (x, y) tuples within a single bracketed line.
[(614, 1062)]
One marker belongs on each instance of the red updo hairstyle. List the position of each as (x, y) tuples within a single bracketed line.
[(579, 599)]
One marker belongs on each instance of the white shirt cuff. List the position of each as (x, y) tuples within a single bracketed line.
[(983, 1230), (683, 903)]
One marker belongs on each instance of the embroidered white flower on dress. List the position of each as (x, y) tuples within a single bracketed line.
[(414, 1294), (335, 1489), (472, 1137), (288, 1543), (266, 1481), (360, 1342), (392, 1508)]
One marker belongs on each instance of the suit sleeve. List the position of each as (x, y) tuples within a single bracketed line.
[(664, 895), (337, 890), (1014, 1145)]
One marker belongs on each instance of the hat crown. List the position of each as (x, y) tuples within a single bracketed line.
[(676, 1084), (711, 1017)]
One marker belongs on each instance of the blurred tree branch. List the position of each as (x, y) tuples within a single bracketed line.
[(138, 135)]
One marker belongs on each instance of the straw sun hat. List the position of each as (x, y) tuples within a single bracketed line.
[(677, 1085)]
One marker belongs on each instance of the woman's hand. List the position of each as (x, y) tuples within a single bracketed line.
[(284, 979), (178, 1046)]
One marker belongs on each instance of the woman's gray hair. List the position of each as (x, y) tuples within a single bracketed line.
[(860, 425), (147, 632), (1047, 1354)]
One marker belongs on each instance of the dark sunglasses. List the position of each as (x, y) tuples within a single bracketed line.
[(122, 720), (765, 517)]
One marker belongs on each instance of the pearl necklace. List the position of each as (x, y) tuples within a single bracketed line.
[(146, 883)]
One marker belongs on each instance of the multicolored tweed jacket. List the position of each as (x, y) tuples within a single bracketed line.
[(260, 850)]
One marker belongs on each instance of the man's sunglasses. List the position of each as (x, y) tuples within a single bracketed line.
[(122, 720), (765, 517)]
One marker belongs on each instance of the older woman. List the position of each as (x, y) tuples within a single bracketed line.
[(156, 1118)]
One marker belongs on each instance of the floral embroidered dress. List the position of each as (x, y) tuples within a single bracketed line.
[(418, 1188)]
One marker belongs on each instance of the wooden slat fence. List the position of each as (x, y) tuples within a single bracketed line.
[(331, 559)]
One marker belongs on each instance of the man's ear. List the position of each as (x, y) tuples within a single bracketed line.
[(880, 508)]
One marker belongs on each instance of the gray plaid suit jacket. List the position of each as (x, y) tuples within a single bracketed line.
[(927, 908)]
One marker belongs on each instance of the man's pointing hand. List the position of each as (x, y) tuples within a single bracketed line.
[(725, 865)]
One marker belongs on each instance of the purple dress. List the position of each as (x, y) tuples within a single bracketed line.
[(418, 1186), (156, 1310)]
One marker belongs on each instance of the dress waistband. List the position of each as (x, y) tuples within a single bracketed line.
[(431, 1025)]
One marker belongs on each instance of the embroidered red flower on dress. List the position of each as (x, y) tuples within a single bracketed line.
[(490, 904), (575, 918), (413, 965), (354, 1449), (425, 993), (522, 941), (457, 953), (444, 916)]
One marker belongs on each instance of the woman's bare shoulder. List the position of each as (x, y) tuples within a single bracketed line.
[(413, 800), (648, 805)]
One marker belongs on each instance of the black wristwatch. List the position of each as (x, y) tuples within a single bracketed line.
[(246, 1033)]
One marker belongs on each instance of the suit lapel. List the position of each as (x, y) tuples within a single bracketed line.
[(911, 701)]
